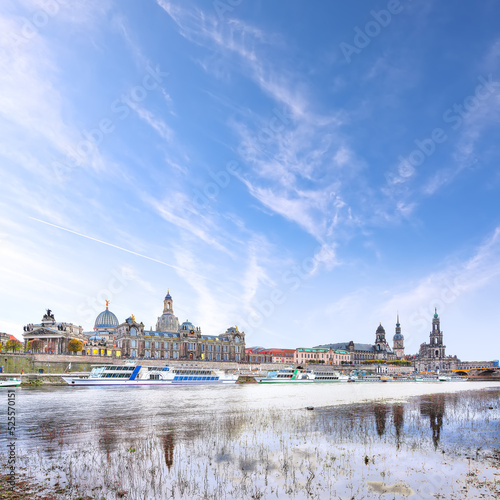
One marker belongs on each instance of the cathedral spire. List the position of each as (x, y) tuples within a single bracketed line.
[(398, 341)]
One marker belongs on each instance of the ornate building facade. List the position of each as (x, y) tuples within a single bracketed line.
[(169, 341), (304, 355), (432, 356), (363, 352), (53, 335)]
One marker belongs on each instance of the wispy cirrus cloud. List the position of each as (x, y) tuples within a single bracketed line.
[(163, 130), (287, 163), (178, 209), (31, 100)]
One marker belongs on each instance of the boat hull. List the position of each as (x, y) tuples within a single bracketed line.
[(10, 383), (304, 381), (81, 382)]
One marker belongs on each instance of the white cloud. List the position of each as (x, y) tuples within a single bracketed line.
[(31, 105), (179, 210), (163, 130)]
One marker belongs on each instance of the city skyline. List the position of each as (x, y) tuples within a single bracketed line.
[(305, 173)]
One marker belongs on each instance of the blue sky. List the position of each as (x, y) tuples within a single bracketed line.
[(304, 172)]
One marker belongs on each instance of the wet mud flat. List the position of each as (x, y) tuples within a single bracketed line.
[(443, 445)]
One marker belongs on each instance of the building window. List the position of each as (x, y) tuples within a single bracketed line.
[(146, 354), (166, 354), (225, 357), (133, 331), (175, 345), (133, 353), (237, 357), (225, 348), (217, 348), (176, 355), (157, 354), (218, 356), (133, 343), (209, 356), (147, 343), (157, 345), (210, 348)]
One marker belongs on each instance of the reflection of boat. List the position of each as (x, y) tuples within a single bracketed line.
[(301, 375), (437, 378), (131, 374), (11, 382), (366, 378)]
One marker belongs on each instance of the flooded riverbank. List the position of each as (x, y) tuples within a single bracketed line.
[(360, 441)]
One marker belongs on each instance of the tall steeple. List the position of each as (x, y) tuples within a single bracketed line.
[(436, 337), (398, 341)]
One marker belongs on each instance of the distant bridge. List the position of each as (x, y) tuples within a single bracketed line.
[(485, 371)]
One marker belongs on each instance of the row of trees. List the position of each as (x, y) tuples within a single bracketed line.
[(36, 345), (396, 362), (11, 345)]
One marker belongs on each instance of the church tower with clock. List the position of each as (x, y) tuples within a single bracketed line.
[(398, 341)]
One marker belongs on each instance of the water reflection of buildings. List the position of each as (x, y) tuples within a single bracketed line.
[(433, 406), (380, 411), (168, 448), (398, 419)]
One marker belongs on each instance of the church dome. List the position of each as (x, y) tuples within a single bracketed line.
[(187, 325), (106, 320), (380, 329), (168, 296), (398, 336)]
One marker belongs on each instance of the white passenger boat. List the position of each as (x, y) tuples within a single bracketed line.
[(421, 378), (300, 375), (11, 382), (132, 374)]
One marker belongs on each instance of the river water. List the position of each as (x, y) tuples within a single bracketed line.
[(393, 440)]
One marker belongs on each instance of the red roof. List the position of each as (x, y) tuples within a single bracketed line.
[(273, 351), (11, 337)]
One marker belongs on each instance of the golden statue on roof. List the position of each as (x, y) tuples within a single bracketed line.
[(107, 304)]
